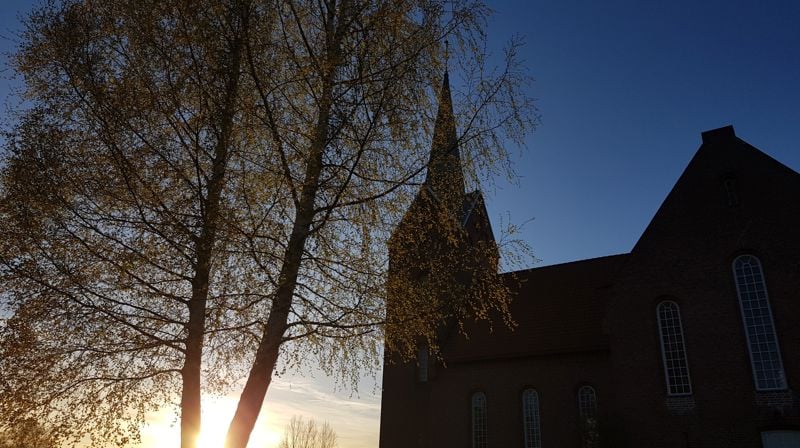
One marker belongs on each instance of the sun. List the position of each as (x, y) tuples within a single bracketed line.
[(217, 414), (215, 426), (162, 428)]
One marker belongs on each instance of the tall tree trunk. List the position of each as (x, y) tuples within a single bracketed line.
[(260, 375), (196, 326)]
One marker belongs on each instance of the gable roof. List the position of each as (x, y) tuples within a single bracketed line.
[(558, 309), (724, 168)]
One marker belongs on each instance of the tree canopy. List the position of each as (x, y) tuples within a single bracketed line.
[(196, 194)]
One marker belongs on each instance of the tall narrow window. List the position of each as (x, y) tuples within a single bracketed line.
[(729, 183), (479, 425), (587, 409), (530, 418), (673, 349), (762, 341), (587, 402)]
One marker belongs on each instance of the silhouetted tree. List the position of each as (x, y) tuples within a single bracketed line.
[(199, 190), (308, 434)]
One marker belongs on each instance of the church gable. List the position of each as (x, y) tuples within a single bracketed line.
[(730, 190), (732, 200)]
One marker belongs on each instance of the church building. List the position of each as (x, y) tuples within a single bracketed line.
[(692, 339)]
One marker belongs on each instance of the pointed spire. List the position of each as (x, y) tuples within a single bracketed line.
[(445, 176)]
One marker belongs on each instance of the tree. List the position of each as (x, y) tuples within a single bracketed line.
[(114, 199), (27, 434), (307, 434), (199, 192)]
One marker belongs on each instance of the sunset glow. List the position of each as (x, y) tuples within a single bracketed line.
[(162, 428), (353, 417)]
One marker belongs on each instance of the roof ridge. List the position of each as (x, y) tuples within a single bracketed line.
[(566, 263)]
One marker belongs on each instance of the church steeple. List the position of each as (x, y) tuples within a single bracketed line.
[(445, 177)]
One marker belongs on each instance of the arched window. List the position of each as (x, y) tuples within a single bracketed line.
[(530, 418), (759, 328), (587, 402), (673, 349), (479, 426)]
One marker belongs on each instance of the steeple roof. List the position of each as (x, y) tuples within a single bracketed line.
[(445, 177)]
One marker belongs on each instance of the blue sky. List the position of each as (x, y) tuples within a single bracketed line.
[(624, 89)]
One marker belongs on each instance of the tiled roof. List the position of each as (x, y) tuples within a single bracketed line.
[(557, 309)]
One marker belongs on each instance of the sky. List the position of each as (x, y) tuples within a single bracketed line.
[(624, 89)]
